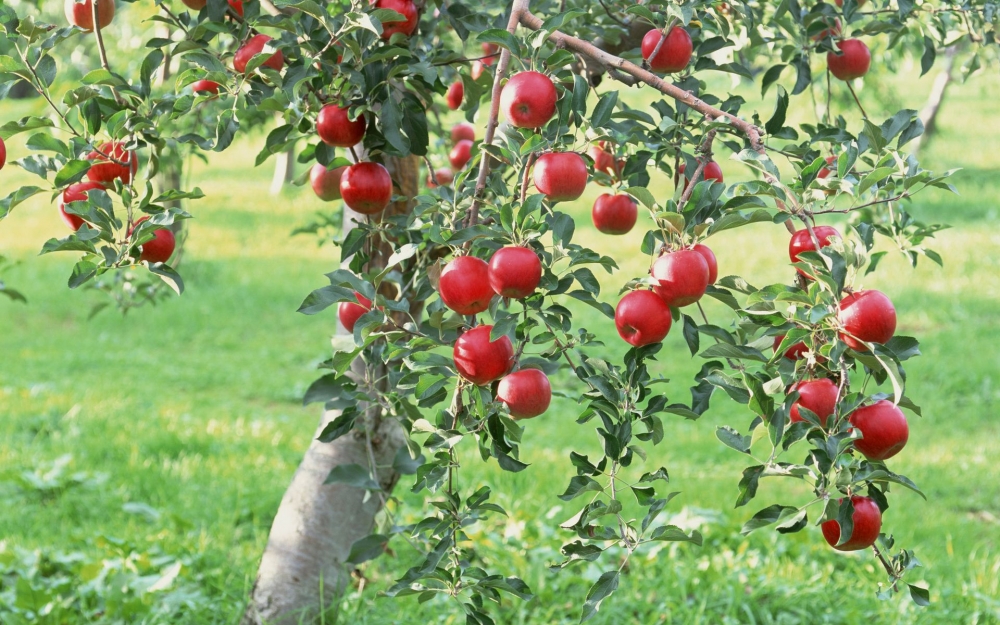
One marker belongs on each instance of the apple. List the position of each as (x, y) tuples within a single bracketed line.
[(826, 171), (853, 62), (490, 53), (253, 47), (236, 6), (76, 192), (867, 521), (455, 95), (604, 160), (527, 393), (801, 241), (840, 3), (444, 175), (81, 14), (674, 54), (479, 360), (350, 312), (866, 316), (3, 153), (366, 188), (463, 132), (711, 171), (561, 176), (795, 352), (614, 213), (105, 171), (819, 396), (884, 428), (205, 86), (461, 154), (713, 264), (465, 285), (335, 127), (477, 69), (683, 276), (195, 4), (326, 182), (515, 272), (404, 7), (160, 248), (832, 30), (528, 100), (642, 318)]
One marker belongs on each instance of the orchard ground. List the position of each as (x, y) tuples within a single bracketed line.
[(156, 447)]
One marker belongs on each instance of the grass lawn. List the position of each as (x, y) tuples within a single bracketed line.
[(142, 458)]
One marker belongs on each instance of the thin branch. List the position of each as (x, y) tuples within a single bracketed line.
[(705, 149), (663, 38), (466, 60), (95, 15), (856, 100), (612, 15)]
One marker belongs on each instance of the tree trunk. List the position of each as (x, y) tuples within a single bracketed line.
[(930, 111), (302, 571), (284, 169)]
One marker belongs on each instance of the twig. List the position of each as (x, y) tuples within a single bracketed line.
[(524, 179), (612, 15), (706, 155), (663, 39), (466, 60), (851, 88), (95, 15)]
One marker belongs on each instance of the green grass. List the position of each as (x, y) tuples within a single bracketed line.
[(192, 409)]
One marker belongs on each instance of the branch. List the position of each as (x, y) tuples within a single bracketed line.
[(706, 155), (95, 15)]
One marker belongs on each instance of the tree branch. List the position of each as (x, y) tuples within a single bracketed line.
[(706, 155)]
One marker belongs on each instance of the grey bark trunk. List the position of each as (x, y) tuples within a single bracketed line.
[(935, 100), (284, 169)]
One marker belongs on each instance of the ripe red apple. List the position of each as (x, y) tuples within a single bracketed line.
[(490, 52), (160, 248), (444, 175), (205, 86), (642, 318), (477, 69), (561, 176), (197, 5), (826, 171), (819, 396), (614, 214), (404, 7), (366, 188), (236, 6), (866, 316), (460, 154), (604, 160), (76, 192), (674, 54), (527, 393), (253, 47), (515, 272), (711, 171), (326, 182), (710, 260), (480, 361), (801, 241), (105, 170), (794, 352), (3, 153), (853, 63), (867, 520), (81, 13), (465, 285), (350, 312), (528, 100), (884, 428), (832, 30), (463, 132), (683, 276), (335, 127), (455, 95)]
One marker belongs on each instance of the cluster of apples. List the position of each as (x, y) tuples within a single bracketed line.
[(854, 59), (865, 316)]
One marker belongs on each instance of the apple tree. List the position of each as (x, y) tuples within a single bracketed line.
[(457, 284)]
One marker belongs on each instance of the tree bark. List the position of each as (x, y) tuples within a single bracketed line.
[(302, 571), (930, 111), (284, 169)]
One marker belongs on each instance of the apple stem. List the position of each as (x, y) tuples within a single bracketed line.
[(856, 100), (524, 179)]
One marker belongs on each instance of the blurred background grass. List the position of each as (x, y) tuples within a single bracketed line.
[(142, 458)]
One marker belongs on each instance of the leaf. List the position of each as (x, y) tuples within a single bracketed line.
[(770, 77), (643, 195), (777, 120), (602, 111), (352, 475), (578, 485), (601, 590), (322, 389), (928, 57), (748, 484), (167, 273), (920, 596), (731, 438), (367, 548), (672, 533), (71, 172), (342, 424), (502, 38), (739, 352), (21, 194), (765, 517)]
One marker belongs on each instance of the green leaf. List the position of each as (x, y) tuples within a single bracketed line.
[(643, 195), (777, 120), (739, 352), (601, 590), (368, 548), (352, 475), (71, 172), (920, 596), (167, 273), (602, 111), (672, 533), (766, 517), (21, 194), (578, 485), (928, 57), (502, 38), (770, 77), (731, 438), (342, 424)]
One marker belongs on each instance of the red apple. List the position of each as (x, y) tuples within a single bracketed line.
[(480, 361), (253, 47), (674, 54), (460, 154), (642, 318), (867, 520), (463, 132), (349, 312), (826, 171), (884, 428), (528, 100), (711, 171), (527, 393), (614, 214), (866, 316), (713, 264), (3, 153), (832, 30), (335, 127), (160, 248), (404, 7), (683, 276), (604, 160), (236, 6), (81, 13), (853, 63), (205, 86), (490, 52), (477, 69), (75, 193), (366, 188), (444, 175), (515, 272), (105, 170), (819, 396), (326, 182), (195, 4), (455, 95), (465, 285), (794, 352), (801, 241), (561, 176)]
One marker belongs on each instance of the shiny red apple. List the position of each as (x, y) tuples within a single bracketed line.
[(853, 62), (561, 176), (867, 521), (111, 161), (527, 393), (713, 264), (794, 352), (481, 361), (81, 13), (528, 100), (444, 175), (350, 312), (461, 154), (160, 248), (455, 95), (3, 153), (866, 316), (205, 86), (884, 428), (614, 213), (674, 54), (253, 47), (711, 171), (463, 132), (326, 182), (642, 318), (683, 277), (366, 188), (515, 272), (465, 285), (335, 127), (801, 241), (818, 396)]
